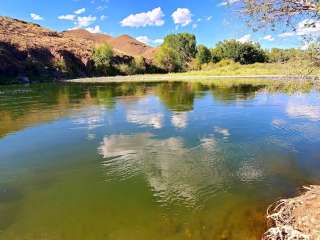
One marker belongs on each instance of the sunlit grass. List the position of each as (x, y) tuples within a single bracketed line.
[(230, 69)]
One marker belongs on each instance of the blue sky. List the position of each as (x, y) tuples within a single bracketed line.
[(146, 20)]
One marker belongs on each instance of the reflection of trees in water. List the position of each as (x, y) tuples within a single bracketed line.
[(23, 106), (237, 92), (176, 96)]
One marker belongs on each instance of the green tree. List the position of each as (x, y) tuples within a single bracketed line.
[(168, 59), (203, 54), (184, 44), (102, 57), (176, 52), (244, 53)]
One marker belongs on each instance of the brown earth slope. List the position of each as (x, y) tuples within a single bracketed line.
[(30, 47), (123, 44), (27, 49)]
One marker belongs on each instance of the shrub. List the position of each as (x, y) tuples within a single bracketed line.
[(225, 62)]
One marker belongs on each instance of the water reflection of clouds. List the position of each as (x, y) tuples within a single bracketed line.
[(142, 113), (179, 119), (310, 112), (173, 171), (142, 117), (90, 119), (302, 106), (222, 131)]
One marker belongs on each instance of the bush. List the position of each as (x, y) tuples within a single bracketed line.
[(277, 55), (102, 57), (225, 62)]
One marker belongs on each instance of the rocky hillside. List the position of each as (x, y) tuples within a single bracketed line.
[(27, 49)]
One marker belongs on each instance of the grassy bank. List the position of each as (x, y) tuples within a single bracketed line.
[(226, 75), (298, 68)]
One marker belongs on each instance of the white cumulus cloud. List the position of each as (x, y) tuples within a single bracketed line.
[(286, 34), (85, 21), (308, 27), (228, 2), (95, 29), (245, 38), (182, 16), (80, 11), (150, 18), (305, 27), (36, 17), (69, 17), (268, 38), (147, 40), (103, 17)]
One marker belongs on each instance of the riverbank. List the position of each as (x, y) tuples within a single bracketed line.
[(296, 218), (234, 71), (186, 77)]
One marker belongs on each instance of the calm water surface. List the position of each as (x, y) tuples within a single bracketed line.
[(151, 161)]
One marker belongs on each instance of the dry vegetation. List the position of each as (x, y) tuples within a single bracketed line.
[(296, 218)]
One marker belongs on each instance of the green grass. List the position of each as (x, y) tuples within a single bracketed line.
[(236, 69)]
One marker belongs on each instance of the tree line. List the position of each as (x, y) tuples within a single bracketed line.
[(180, 52)]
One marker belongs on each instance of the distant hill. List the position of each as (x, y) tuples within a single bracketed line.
[(123, 44), (29, 48)]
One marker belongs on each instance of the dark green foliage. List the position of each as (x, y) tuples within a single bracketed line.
[(244, 53), (203, 54)]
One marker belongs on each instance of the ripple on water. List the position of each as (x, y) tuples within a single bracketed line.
[(174, 172)]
